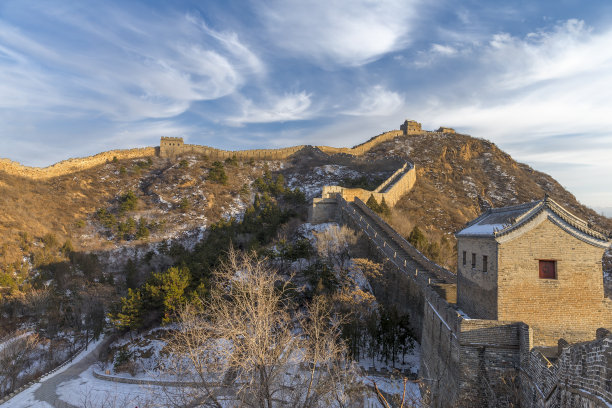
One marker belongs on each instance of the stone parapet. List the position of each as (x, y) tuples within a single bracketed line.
[(73, 165)]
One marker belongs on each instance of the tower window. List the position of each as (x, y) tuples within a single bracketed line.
[(473, 260), (548, 269), (484, 263), (464, 258)]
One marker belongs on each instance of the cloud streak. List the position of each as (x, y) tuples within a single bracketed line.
[(338, 33), (122, 71)]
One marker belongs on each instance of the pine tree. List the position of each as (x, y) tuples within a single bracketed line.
[(129, 316), (384, 208), (373, 204), (131, 274), (418, 239)]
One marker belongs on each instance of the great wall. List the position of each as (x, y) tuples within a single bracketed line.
[(464, 361), (171, 147)]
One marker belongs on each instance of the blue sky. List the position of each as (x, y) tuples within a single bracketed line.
[(80, 77)]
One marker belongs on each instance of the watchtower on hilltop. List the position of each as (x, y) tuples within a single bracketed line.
[(410, 127), (170, 146)]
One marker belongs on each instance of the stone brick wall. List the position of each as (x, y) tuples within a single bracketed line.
[(489, 362), (571, 306), (73, 165), (476, 289), (392, 189), (174, 147), (363, 148), (580, 377), (440, 350)]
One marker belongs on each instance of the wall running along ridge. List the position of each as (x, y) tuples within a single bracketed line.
[(73, 165), (172, 147)]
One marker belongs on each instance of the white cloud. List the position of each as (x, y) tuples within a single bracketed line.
[(277, 108), (377, 101), (336, 32)]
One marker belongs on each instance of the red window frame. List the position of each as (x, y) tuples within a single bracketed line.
[(547, 268)]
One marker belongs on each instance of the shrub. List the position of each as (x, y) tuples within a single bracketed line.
[(184, 205), (232, 161), (142, 232), (67, 248), (49, 240), (217, 173), (128, 202)]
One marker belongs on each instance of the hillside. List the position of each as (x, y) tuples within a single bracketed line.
[(458, 177)]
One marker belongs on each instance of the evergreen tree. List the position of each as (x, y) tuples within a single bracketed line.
[(142, 232), (217, 173), (129, 315), (166, 290), (131, 274), (373, 204), (384, 208), (128, 202), (418, 239)]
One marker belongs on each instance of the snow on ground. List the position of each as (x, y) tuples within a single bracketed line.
[(86, 390), (307, 230), (313, 181), (411, 362), (236, 209)]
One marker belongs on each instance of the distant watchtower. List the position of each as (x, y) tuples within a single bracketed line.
[(170, 146), (411, 127)]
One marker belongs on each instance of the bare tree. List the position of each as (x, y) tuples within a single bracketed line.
[(333, 244), (247, 343), (15, 358)]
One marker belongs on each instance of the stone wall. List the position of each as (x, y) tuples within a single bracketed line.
[(365, 147), (391, 190), (73, 165), (440, 350), (581, 376), (477, 362), (171, 151)]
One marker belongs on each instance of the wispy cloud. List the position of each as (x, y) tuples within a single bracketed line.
[(126, 68), (276, 108), (377, 101), (346, 33)]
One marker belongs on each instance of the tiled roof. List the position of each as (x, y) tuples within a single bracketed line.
[(497, 222)]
